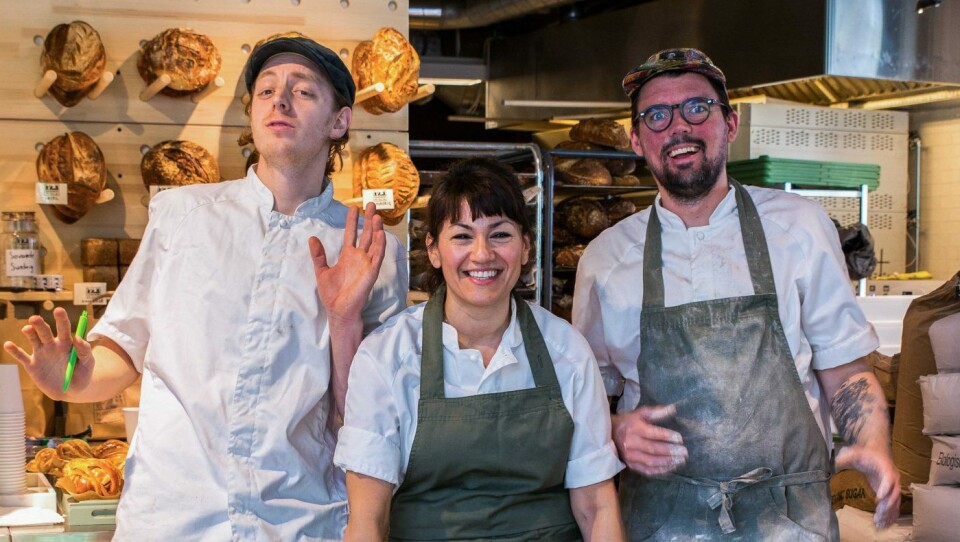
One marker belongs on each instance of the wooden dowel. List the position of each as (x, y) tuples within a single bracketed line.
[(102, 84), (210, 89), (423, 92), (155, 87), (366, 93), (106, 195), (45, 83)]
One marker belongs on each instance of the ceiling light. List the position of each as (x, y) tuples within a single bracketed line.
[(923, 5)]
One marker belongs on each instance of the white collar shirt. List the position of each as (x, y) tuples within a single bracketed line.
[(380, 422), (220, 313), (822, 322)]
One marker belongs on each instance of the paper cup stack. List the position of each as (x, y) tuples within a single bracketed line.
[(935, 504), (12, 427)]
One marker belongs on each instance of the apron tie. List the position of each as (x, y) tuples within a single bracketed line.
[(724, 495)]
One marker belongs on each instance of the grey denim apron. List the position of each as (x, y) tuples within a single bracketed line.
[(757, 466), (490, 466)]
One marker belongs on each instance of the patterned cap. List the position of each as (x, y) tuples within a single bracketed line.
[(673, 60)]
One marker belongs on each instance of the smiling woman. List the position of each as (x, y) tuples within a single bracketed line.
[(451, 387)]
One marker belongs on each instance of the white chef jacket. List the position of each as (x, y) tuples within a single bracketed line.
[(220, 313), (384, 390), (823, 324)]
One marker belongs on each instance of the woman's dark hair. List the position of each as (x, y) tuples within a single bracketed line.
[(489, 188)]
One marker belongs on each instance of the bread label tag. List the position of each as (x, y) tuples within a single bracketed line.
[(90, 293), (381, 197), (22, 262), (157, 188), (52, 193)]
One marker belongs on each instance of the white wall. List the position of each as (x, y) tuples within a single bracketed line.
[(939, 130)]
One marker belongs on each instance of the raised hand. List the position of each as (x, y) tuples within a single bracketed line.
[(345, 286), (645, 447), (48, 362)]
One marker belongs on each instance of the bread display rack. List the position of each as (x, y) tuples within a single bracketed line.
[(554, 190)]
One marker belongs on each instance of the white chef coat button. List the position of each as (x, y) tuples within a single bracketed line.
[(700, 236)]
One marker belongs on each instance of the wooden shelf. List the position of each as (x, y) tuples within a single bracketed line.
[(36, 297)]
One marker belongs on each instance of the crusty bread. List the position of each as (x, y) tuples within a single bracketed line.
[(604, 132), (584, 172), (584, 218), (76, 53), (569, 256), (74, 159), (617, 166), (188, 57), (389, 59), (618, 209), (626, 180), (178, 163), (387, 166)]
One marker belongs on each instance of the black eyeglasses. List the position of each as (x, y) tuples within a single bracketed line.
[(695, 111)]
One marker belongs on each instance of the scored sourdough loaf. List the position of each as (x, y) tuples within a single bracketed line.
[(76, 160), (387, 166), (188, 57), (606, 132), (583, 172), (584, 218), (76, 53), (388, 58), (617, 166), (178, 163)]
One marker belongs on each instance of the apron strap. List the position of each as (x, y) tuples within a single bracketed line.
[(754, 243), (757, 478), (544, 373), (431, 361)]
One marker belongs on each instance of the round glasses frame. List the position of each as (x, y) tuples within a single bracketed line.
[(695, 111)]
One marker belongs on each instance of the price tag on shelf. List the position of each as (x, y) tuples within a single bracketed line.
[(52, 193), (381, 197), (90, 293)]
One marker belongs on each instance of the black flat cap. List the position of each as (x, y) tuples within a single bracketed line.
[(324, 58)]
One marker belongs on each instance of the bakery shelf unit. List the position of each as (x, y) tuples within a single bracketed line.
[(554, 189), (527, 160)]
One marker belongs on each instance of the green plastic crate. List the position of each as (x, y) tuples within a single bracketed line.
[(807, 173)]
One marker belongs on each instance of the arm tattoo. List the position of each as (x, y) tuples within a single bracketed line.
[(853, 404)]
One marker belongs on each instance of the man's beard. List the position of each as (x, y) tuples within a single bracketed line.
[(690, 185)]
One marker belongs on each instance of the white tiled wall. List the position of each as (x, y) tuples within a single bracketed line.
[(939, 131)]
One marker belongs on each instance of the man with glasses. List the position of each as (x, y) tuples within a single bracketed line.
[(724, 319)]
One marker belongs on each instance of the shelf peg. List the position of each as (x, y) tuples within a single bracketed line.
[(366, 93), (102, 84), (49, 77), (423, 92), (212, 87), (155, 87)]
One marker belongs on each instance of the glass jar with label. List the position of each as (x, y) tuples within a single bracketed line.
[(21, 254)]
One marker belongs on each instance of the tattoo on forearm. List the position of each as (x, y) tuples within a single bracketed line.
[(853, 405)]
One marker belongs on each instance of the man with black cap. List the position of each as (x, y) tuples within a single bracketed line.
[(242, 310), (724, 319)]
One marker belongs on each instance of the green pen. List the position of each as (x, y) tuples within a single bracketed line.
[(82, 334)]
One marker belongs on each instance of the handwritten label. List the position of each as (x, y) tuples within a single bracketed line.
[(381, 197), (52, 193), (90, 293), (157, 188), (22, 262)]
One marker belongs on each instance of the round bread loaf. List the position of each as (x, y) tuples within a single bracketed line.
[(618, 209), (626, 180), (178, 163), (584, 172), (604, 132), (617, 166), (387, 166), (189, 58), (561, 237), (584, 218), (76, 53), (569, 256), (74, 159), (389, 59)]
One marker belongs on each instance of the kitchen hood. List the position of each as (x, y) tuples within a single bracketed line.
[(840, 53)]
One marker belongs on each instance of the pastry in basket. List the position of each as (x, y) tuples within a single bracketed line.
[(389, 59), (76, 53), (178, 163), (188, 57), (76, 160), (86, 479), (47, 461), (387, 166), (114, 451), (74, 449)]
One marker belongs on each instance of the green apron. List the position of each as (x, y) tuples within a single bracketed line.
[(757, 466), (489, 466)]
